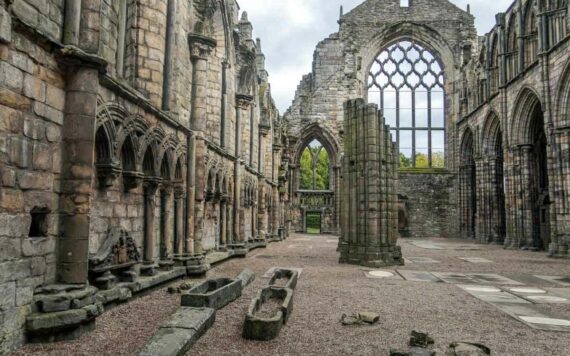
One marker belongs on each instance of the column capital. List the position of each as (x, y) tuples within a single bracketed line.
[(243, 101), (201, 46), (151, 185)]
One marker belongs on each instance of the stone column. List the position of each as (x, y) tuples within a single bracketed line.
[(223, 223), (370, 235), (243, 103), (72, 22), (200, 48), (229, 223), (78, 165), (179, 195), (150, 188), (191, 188), (168, 227)]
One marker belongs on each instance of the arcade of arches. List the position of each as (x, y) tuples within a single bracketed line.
[(136, 143)]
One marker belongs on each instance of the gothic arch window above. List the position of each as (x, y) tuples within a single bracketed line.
[(512, 54), (407, 82), (315, 167), (531, 35)]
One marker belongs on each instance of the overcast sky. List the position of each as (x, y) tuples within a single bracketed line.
[(290, 30)]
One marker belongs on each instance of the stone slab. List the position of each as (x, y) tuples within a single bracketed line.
[(560, 280), (180, 333), (217, 257), (491, 278), (530, 315), (419, 276), (246, 277), (454, 278), (421, 260), (475, 259), (144, 283)]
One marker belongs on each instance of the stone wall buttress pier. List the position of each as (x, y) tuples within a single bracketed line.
[(369, 189)]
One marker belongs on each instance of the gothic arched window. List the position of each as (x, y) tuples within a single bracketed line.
[(531, 35), (407, 82), (512, 55), (315, 167)]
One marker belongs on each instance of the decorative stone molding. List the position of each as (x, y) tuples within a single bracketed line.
[(201, 46), (243, 101), (132, 180), (108, 173)]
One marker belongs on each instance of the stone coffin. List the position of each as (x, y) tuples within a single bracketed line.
[(213, 293), (281, 274), (265, 328)]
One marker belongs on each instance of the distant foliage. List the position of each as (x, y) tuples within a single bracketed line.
[(315, 168)]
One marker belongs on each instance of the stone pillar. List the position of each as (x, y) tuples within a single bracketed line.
[(150, 188), (168, 57), (78, 166), (72, 22), (200, 48), (243, 103), (526, 190), (167, 198), (370, 233), (229, 223), (223, 223), (190, 194), (179, 195)]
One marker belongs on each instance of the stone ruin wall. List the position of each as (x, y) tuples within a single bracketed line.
[(42, 164), (340, 72)]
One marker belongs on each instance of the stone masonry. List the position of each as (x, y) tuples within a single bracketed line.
[(369, 189)]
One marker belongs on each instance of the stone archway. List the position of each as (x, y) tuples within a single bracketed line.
[(467, 186), (530, 175)]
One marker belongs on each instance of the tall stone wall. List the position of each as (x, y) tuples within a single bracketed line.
[(369, 189), (340, 72), (113, 117)]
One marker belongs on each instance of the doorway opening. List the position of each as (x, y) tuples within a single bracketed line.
[(313, 223)]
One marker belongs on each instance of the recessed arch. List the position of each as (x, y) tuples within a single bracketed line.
[(128, 156), (492, 135), (526, 104)]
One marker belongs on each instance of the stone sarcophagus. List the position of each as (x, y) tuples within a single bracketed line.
[(116, 260), (369, 208)]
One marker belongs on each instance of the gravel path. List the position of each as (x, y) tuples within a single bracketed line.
[(326, 290)]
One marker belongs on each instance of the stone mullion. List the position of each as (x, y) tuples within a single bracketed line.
[(243, 102), (150, 189)]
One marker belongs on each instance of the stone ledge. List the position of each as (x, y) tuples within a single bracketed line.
[(179, 334), (144, 283), (64, 325)]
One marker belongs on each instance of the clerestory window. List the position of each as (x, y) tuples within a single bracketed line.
[(407, 82)]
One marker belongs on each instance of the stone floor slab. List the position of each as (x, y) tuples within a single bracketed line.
[(475, 259), (419, 276), (486, 278), (560, 280), (421, 260)]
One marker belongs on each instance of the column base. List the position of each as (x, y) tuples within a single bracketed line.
[(239, 249), (196, 265), (148, 269), (371, 256)]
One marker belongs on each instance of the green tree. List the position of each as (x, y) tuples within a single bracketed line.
[(422, 160), (438, 160), (306, 181), (405, 162)]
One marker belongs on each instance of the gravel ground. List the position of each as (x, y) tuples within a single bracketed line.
[(326, 290)]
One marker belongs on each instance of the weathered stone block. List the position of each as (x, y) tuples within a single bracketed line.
[(284, 278), (246, 277), (26, 13), (35, 180), (176, 337), (213, 293), (11, 77), (9, 248), (7, 295), (5, 26), (34, 88)]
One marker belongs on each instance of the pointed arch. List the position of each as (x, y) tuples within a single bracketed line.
[(492, 136), (526, 106), (563, 99)]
